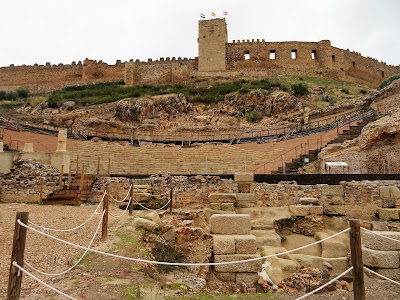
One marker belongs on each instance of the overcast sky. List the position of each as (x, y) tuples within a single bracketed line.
[(59, 31)]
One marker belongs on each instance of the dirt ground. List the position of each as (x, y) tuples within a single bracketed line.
[(100, 277)]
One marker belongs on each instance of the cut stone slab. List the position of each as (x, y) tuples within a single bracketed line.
[(394, 192), (244, 177), (249, 279), (224, 244), (334, 247), (381, 259), (141, 196), (226, 276), (337, 200), (222, 198), (299, 210), (28, 147), (268, 250), (227, 206), (376, 242), (245, 244), (154, 217), (309, 201), (267, 238), (230, 224), (210, 212), (145, 224), (388, 203), (389, 214), (335, 266), (393, 274), (332, 190), (384, 192), (215, 206), (245, 197), (245, 267), (335, 210)]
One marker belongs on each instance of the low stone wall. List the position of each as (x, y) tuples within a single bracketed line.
[(356, 199)]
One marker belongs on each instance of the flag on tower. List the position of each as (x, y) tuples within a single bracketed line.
[(202, 16), (225, 13), (212, 14)]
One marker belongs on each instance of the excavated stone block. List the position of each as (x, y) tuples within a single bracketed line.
[(222, 198), (267, 238), (224, 244), (227, 206), (145, 224), (268, 250), (287, 265), (230, 224), (393, 274), (244, 177), (388, 203), (332, 190), (61, 146), (244, 267), (394, 192), (244, 187), (337, 200), (154, 216), (141, 196), (376, 242), (384, 192), (245, 204), (316, 210), (389, 214), (309, 201), (381, 259), (216, 206), (245, 197), (1, 147), (335, 210), (62, 135), (226, 276), (249, 279), (299, 210), (245, 244)]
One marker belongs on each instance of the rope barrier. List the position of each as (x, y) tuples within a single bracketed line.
[(178, 264), (126, 208), (325, 285), (380, 275), (126, 197), (79, 260), (160, 195), (42, 282), (70, 229), (381, 235), (165, 205)]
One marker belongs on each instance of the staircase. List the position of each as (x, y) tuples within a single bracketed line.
[(72, 194), (354, 131)]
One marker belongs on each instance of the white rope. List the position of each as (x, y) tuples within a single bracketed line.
[(42, 282), (380, 275), (381, 235), (325, 285), (79, 260), (70, 229), (160, 195), (126, 208), (126, 197), (165, 205), (177, 264)]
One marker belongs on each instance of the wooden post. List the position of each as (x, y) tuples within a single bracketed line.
[(82, 176), (171, 193), (41, 191), (109, 167), (17, 255), (61, 177), (283, 165), (77, 166), (356, 260), (69, 177), (131, 203), (105, 218), (98, 165)]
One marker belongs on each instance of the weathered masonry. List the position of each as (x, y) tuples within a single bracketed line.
[(217, 58)]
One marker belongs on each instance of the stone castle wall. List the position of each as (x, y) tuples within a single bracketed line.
[(46, 78)]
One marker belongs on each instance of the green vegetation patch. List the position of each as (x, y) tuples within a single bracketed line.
[(388, 81)]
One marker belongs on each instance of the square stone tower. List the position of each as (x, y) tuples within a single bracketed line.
[(213, 37)]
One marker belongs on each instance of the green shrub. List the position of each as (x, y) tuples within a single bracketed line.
[(252, 116), (11, 96), (22, 93), (284, 88), (332, 101), (345, 91), (244, 90), (3, 95), (388, 81), (363, 92), (299, 89)]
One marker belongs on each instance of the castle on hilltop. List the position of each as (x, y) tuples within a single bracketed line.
[(217, 58)]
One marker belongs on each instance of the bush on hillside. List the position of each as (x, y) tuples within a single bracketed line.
[(299, 89), (252, 116), (22, 93), (388, 81)]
